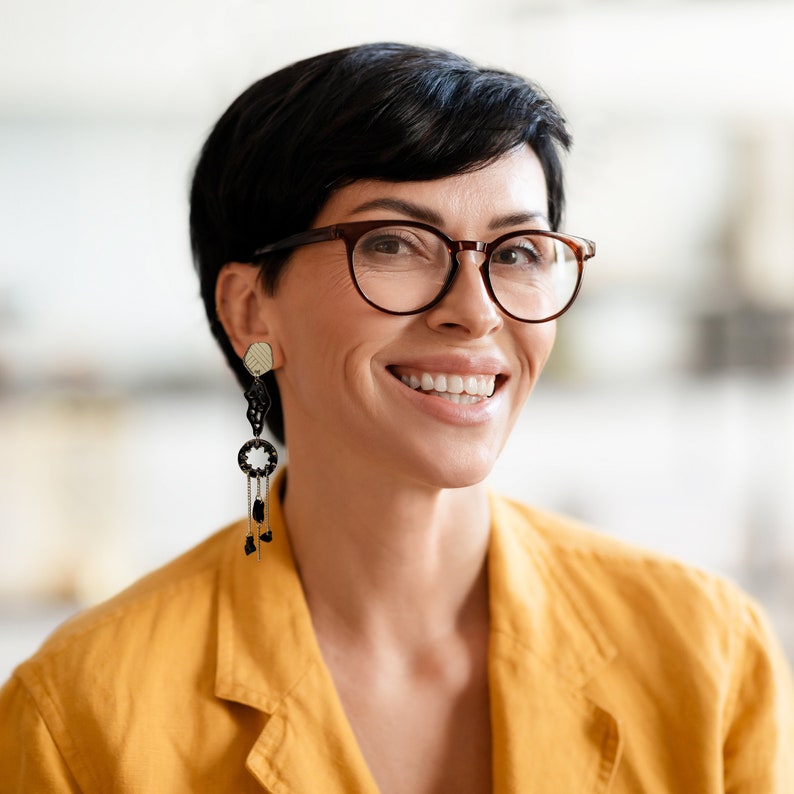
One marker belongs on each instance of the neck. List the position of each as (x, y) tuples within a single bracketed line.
[(390, 563)]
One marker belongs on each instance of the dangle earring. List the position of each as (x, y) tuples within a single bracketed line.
[(258, 360)]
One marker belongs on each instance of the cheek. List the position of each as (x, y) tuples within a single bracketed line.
[(537, 343), (333, 338)]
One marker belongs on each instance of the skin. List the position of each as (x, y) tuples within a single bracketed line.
[(387, 481)]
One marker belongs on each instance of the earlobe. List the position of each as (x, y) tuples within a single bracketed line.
[(240, 305)]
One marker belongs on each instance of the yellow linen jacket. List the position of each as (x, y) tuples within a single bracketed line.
[(610, 669)]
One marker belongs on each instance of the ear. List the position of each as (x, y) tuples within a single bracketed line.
[(241, 305)]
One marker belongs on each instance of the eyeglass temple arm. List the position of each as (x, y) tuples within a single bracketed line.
[(587, 248), (302, 238)]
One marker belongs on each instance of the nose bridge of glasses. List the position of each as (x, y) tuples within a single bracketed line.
[(475, 246), (476, 252)]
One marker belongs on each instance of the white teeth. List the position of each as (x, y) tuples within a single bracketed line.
[(455, 384), (460, 389), (459, 399), (470, 385)]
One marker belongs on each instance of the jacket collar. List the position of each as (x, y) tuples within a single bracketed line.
[(265, 637), (269, 659), (545, 645)]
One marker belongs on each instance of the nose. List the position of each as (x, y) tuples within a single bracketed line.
[(467, 307)]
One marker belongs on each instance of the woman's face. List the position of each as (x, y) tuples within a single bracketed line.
[(348, 373)]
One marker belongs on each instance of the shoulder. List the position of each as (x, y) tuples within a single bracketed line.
[(101, 693), (161, 611), (632, 590), (692, 657)]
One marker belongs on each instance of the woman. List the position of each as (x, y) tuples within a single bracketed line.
[(404, 630)]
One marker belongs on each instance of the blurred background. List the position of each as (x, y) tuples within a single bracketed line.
[(666, 416)]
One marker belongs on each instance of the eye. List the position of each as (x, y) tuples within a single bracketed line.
[(516, 253), (390, 245), (399, 246)]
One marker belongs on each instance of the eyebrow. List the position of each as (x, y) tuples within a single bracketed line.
[(415, 211), (427, 215), (517, 219)]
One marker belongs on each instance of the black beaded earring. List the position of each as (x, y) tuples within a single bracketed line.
[(258, 360)]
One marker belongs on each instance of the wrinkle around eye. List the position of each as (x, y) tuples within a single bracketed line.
[(339, 283), (328, 275)]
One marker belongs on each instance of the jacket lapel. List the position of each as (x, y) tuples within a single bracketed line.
[(307, 744), (269, 659), (548, 736)]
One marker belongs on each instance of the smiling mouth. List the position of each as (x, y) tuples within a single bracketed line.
[(458, 389)]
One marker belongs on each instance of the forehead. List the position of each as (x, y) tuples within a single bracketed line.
[(510, 185)]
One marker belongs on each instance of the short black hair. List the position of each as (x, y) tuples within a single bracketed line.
[(386, 111)]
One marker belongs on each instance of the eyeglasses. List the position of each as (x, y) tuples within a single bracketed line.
[(406, 267)]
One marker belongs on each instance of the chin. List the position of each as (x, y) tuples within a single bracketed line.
[(460, 472)]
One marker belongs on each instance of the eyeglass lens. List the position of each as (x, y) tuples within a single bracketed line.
[(403, 269)]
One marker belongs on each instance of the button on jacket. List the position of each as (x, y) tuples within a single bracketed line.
[(610, 670)]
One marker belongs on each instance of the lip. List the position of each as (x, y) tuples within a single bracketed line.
[(460, 365), (441, 408)]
